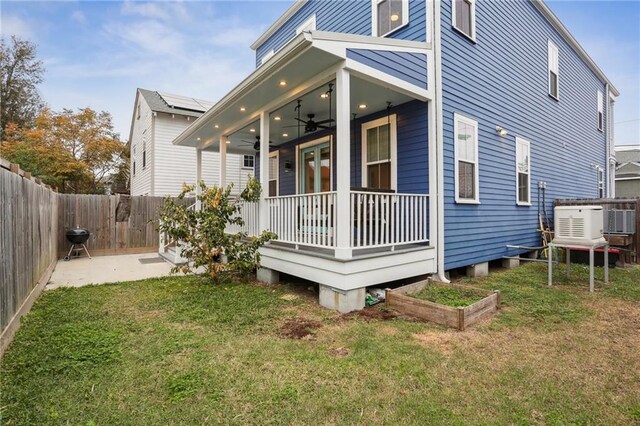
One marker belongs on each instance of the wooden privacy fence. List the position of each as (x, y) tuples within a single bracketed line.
[(33, 223), (119, 224), (28, 244)]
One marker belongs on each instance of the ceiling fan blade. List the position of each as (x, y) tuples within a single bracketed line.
[(321, 126), (300, 120), (328, 120), (293, 125)]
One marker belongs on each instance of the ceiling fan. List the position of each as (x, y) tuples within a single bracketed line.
[(311, 125), (256, 143)]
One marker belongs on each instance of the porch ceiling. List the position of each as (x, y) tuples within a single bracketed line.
[(305, 66)]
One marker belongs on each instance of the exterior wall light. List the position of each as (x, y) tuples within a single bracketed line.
[(287, 166), (501, 131)]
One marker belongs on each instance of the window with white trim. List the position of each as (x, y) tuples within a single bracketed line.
[(138, 111), (601, 192), (144, 149), (308, 25), (466, 159), (600, 111), (274, 158), (379, 138), (247, 161), (388, 16), (554, 71), (523, 172), (463, 17), (134, 160)]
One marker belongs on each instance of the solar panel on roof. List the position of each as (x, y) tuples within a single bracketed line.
[(183, 102)]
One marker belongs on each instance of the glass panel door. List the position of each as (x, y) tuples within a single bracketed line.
[(315, 173)]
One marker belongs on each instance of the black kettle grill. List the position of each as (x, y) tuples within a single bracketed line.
[(77, 237)]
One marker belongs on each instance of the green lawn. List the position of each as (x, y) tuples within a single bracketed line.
[(181, 351)]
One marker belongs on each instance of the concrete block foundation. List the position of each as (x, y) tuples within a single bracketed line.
[(342, 300), (478, 270), (268, 276), (510, 263)]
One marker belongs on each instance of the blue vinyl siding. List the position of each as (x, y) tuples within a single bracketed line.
[(351, 16), (412, 151), (409, 67), (502, 81)]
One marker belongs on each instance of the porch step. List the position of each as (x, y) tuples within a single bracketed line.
[(171, 257)]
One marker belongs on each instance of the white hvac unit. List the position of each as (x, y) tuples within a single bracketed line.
[(579, 225)]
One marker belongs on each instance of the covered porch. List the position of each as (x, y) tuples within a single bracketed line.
[(347, 163)]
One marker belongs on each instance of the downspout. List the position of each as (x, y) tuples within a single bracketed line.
[(607, 142), (435, 45)]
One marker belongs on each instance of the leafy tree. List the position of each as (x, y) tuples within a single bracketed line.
[(201, 233), (76, 152), (20, 74)]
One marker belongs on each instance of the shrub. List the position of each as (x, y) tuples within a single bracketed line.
[(201, 233)]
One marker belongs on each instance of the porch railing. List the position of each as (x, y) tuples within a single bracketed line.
[(386, 219), (307, 219), (377, 219), (250, 215)]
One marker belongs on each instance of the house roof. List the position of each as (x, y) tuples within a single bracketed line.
[(175, 104)]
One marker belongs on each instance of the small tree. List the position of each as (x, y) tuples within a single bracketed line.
[(201, 233)]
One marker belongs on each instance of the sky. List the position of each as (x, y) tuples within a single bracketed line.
[(96, 53)]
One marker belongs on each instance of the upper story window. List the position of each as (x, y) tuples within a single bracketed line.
[(247, 161), (466, 160), (138, 110), (464, 17), (600, 111), (388, 16), (554, 71), (134, 160), (379, 153), (308, 25), (523, 172), (144, 149)]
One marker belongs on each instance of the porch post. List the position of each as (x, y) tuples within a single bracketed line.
[(223, 162), (343, 164), (198, 177), (263, 219)]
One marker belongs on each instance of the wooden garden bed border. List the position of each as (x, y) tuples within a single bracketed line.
[(460, 318)]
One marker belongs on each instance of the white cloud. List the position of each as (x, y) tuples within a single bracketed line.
[(165, 11), (14, 25), (148, 35), (79, 16)]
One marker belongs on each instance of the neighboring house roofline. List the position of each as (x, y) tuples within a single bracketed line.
[(564, 32), (296, 6), (621, 165), (623, 148), (133, 116)]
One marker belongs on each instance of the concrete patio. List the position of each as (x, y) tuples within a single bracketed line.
[(107, 269)]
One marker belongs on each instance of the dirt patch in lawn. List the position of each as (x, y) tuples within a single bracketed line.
[(299, 328), (371, 314), (339, 352)]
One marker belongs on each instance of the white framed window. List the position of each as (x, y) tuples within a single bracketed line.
[(388, 16), (138, 111), (600, 111), (144, 149), (248, 161), (601, 187), (134, 160), (274, 173), (379, 153), (308, 25), (463, 17), (523, 172), (466, 160), (267, 56), (554, 71)]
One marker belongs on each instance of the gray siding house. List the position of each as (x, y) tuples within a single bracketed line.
[(628, 171)]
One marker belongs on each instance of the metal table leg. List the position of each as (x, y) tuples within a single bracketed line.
[(550, 265), (591, 278)]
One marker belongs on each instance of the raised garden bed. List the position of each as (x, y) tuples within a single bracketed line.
[(430, 300)]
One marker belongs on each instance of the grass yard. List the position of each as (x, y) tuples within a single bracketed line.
[(449, 296), (180, 351)]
